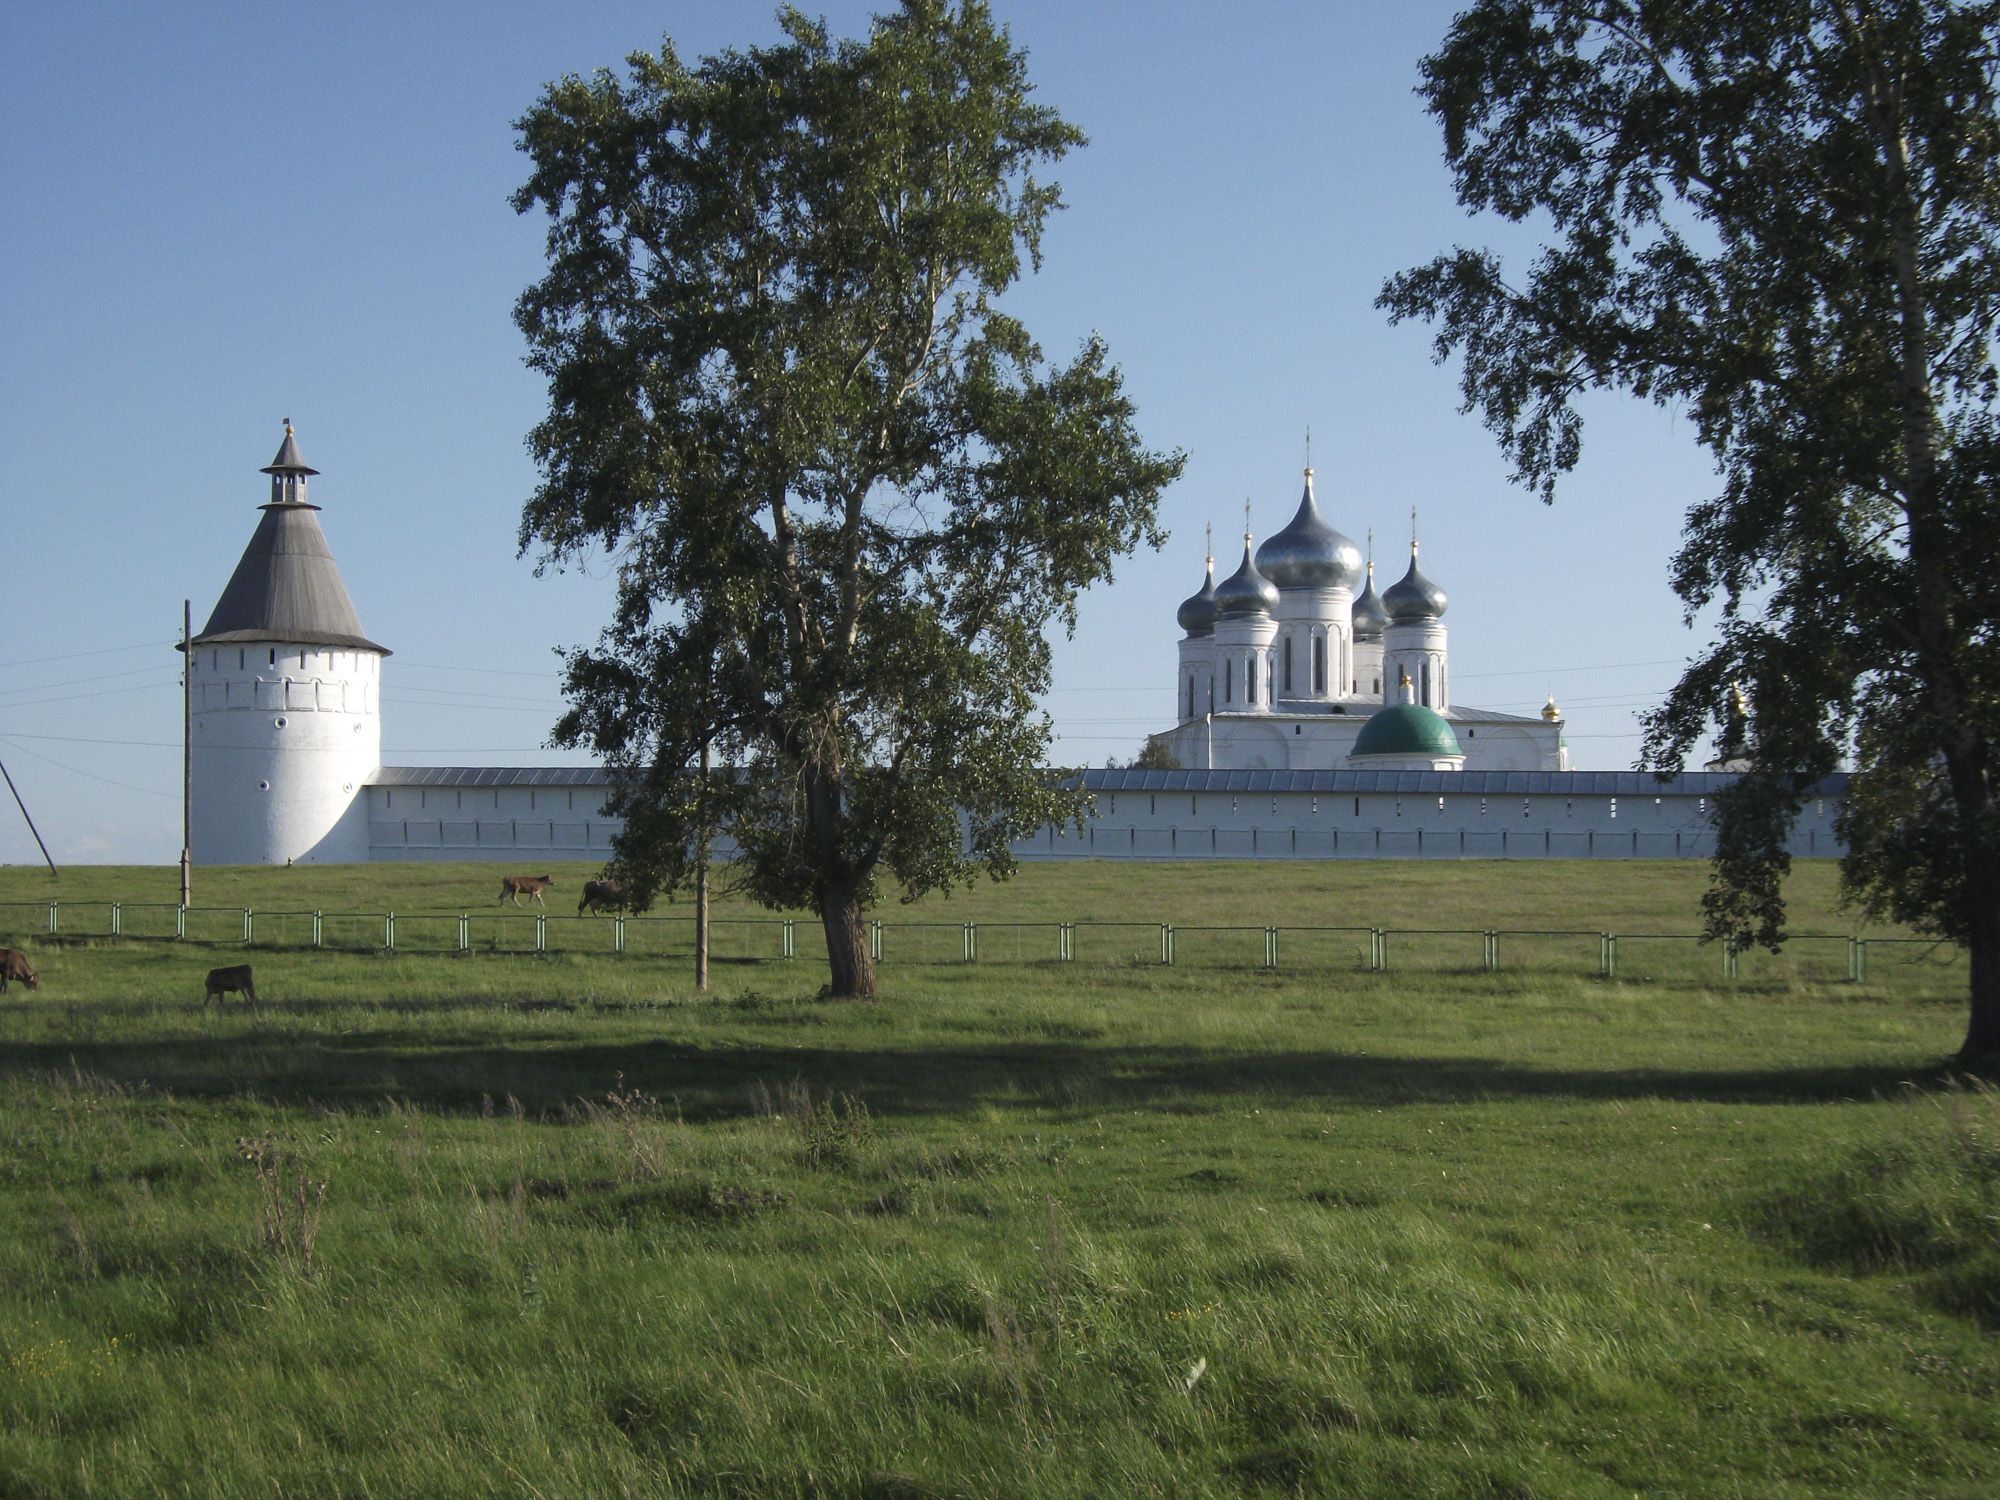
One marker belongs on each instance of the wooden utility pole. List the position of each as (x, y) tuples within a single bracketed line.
[(701, 875), (31, 822), (187, 752)]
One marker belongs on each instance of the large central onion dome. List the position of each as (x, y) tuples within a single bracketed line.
[(1246, 591), (1370, 618), (1197, 612), (1415, 597), (1309, 554)]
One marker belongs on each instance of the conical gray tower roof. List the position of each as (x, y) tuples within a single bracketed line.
[(286, 587)]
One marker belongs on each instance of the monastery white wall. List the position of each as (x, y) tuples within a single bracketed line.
[(1413, 815), (284, 738)]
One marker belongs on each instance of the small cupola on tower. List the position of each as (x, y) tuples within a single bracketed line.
[(288, 471)]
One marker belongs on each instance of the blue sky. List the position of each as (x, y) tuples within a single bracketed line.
[(212, 217)]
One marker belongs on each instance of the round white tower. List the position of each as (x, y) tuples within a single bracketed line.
[(1413, 643), (1370, 620), (286, 697), (1315, 569), (1196, 690)]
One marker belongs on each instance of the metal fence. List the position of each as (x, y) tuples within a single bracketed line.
[(1674, 957)]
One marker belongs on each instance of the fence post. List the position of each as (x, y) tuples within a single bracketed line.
[(1270, 947), (1166, 943), (1729, 969), (249, 925), (1610, 955), (541, 933), (181, 923), (52, 914), (875, 941), (319, 929), (1492, 951), (1379, 955), (115, 924), (389, 931), (465, 932), (790, 938), (617, 934), (1863, 946), (1853, 960), (971, 942), (1066, 942)]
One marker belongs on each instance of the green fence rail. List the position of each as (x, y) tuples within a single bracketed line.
[(1804, 957)]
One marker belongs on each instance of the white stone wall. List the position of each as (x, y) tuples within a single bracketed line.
[(284, 738), (503, 823), (1295, 825)]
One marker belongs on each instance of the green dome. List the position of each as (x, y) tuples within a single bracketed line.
[(1406, 729)]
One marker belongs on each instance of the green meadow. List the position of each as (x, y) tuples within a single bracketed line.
[(553, 1224)]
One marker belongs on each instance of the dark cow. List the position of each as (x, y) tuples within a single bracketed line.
[(14, 965), (601, 895), (229, 981), (518, 886)]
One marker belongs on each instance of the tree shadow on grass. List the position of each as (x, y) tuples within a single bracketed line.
[(718, 1082)]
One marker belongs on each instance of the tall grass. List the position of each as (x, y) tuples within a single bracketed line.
[(1011, 1231)]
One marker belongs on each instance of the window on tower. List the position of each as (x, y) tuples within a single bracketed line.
[(1288, 664), (1319, 664)]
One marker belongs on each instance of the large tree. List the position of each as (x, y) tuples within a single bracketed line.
[(1782, 220), (845, 493)]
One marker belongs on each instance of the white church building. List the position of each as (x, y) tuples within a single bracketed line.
[(1283, 666), (1313, 724)]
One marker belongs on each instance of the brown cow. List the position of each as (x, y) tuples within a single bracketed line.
[(518, 886), (14, 965), (601, 895), (228, 981)]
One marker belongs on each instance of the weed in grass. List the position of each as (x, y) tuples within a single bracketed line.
[(289, 1203)]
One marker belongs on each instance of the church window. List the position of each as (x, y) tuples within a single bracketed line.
[(1315, 807), (1250, 680), (1440, 804), (1357, 807), (1153, 806), (1614, 807), (1470, 733), (1527, 808), (388, 799), (274, 656), (1194, 806), (1297, 730), (1399, 807), (1424, 679), (1569, 807), (1190, 712), (1232, 807), (1704, 804), (1270, 671), (1288, 664), (1113, 809), (1229, 680), (1377, 687), (239, 661), (1274, 807), (302, 661), (1482, 807), (1319, 664)]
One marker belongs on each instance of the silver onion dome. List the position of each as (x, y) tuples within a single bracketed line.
[(1246, 591), (1308, 553), (1370, 618), (1197, 612), (1414, 597)]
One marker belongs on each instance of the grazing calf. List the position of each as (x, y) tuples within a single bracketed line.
[(227, 981), (601, 895), (14, 965), (518, 886)]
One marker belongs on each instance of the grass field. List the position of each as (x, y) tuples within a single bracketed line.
[(1016, 1229)]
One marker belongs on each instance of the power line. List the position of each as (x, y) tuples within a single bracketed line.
[(87, 776), (35, 661)]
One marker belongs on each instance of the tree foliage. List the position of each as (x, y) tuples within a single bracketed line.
[(1782, 220), (845, 492)]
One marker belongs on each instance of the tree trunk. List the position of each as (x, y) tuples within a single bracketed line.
[(701, 879), (1982, 1032), (847, 952)]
